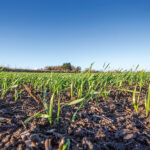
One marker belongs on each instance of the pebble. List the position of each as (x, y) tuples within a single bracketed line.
[(24, 136), (70, 131), (129, 136), (126, 134), (51, 131), (121, 133), (6, 139), (35, 138)]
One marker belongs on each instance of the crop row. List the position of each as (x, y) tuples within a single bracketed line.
[(82, 87)]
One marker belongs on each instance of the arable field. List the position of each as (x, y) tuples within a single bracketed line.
[(90, 111)]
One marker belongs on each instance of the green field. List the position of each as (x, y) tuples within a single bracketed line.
[(69, 107), (81, 86)]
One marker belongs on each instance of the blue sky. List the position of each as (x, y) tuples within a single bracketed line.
[(38, 33)]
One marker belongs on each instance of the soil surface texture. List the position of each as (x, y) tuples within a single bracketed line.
[(102, 124)]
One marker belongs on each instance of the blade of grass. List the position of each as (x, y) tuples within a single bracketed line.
[(147, 102), (36, 115), (51, 108)]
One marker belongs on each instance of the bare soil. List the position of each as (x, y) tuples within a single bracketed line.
[(101, 124)]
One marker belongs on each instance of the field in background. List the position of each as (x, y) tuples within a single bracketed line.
[(105, 110)]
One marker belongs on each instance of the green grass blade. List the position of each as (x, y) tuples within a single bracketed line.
[(34, 116), (45, 104), (59, 108), (73, 102), (147, 102), (51, 108), (66, 146), (81, 105)]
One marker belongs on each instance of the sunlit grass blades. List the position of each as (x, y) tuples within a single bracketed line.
[(147, 102), (48, 111)]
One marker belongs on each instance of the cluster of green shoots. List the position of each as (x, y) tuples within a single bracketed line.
[(82, 87)]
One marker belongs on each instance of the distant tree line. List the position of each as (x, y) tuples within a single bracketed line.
[(66, 67)]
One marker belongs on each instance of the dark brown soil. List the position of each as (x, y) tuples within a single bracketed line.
[(100, 124)]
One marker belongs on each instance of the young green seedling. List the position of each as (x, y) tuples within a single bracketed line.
[(147, 102), (58, 110), (135, 102), (48, 111)]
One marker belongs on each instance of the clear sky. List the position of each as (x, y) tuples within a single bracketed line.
[(39, 33)]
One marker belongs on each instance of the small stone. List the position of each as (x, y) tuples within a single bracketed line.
[(124, 131), (129, 136), (51, 131), (113, 127), (120, 119), (6, 139), (24, 137), (70, 131), (130, 126), (35, 138), (121, 133)]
